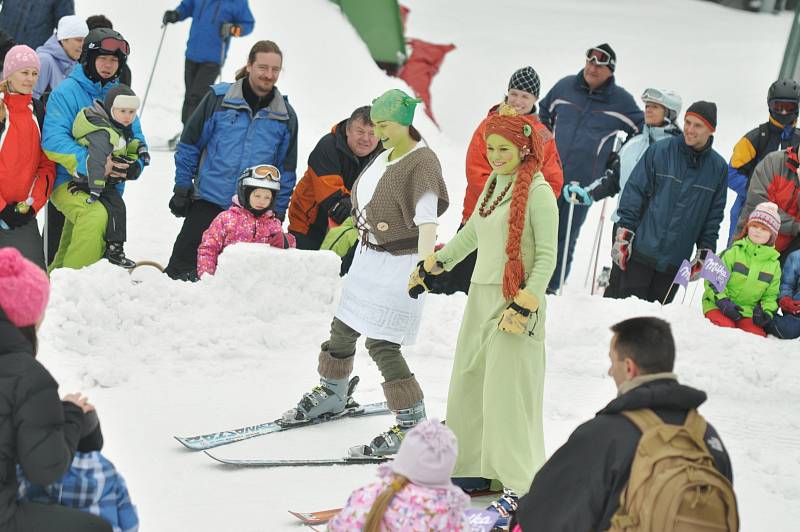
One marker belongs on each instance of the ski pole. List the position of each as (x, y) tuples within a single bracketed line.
[(153, 71), (595, 255), (566, 240)]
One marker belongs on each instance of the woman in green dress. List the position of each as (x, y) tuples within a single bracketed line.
[(494, 405)]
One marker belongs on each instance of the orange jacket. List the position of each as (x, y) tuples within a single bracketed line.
[(479, 170)]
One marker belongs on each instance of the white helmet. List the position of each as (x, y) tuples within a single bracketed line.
[(259, 176), (671, 100)]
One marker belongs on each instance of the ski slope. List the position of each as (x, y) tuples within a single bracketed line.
[(162, 358)]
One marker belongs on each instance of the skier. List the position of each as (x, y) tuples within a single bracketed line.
[(523, 94), (31, 22), (500, 354), (396, 203), (105, 130), (82, 240), (39, 432), (249, 219), (214, 22), (674, 200), (238, 125), (59, 54), (750, 298), (584, 111), (787, 324), (322, 196), (414, 491), (26, 174), (777, 133), (661, 110)]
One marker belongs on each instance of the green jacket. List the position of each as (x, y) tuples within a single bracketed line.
[(340, 239), (93, 128), (755, 278)]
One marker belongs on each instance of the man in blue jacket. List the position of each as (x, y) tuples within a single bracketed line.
[(585, 111), (32, 22), (236, 126), (214, 22), (674, 200)]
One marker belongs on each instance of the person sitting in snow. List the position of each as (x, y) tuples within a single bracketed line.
[(749, 300), (249, 219), (414, 491), (787, 324), (105, 129), (92, 484)]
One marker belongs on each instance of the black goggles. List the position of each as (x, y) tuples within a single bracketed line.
[(783, 107)]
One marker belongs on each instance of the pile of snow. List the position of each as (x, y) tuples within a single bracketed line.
[(161, 358)]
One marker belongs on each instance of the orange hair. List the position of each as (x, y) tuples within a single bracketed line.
[(519, 131)]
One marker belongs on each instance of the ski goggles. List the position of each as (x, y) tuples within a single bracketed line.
[(599, 56), (783, 107), (111, 45), (262, 171), (653, 95)]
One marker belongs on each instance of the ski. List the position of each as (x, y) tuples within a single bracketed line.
[(302, 462)]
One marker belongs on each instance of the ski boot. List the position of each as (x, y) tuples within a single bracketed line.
[(471, 485), (330, 398), (388, 442), (506, 506), (116, 255)]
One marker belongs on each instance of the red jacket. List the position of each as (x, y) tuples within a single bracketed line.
[(24, 168), (479, 170)]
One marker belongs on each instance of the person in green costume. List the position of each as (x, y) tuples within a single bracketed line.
[(494, 405)]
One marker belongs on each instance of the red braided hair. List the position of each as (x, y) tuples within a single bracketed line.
[(519, 131)]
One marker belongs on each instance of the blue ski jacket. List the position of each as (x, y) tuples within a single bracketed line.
[(32, 22), (790, 278), (205, 45)]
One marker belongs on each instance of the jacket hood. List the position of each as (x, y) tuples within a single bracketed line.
[(667, 394), (660, 132), (53, 48), (11, 339)]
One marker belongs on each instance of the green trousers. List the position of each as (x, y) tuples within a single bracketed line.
[(83, 238), (387, 355)]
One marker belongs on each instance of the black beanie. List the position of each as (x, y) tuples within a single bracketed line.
[(705, 111), (525, 79), (610, 51)]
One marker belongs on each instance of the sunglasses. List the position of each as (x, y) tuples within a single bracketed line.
[(111, 45), (262, 171), (598, 57), (783, 107)]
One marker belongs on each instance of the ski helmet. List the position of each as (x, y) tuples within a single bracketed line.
[(670, 100), (259, 176), (783, 98), (103, 41)]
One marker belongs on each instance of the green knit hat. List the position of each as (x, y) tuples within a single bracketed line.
[(394, 105)]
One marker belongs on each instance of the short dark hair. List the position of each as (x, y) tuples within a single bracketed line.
[(647, 341), (362, 115), (99, 21)]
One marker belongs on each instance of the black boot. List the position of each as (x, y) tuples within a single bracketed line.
[(115, 254)]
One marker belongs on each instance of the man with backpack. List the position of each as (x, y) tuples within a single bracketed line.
[(601, 478)]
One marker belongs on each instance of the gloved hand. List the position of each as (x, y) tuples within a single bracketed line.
[(621, 250), (170, 17), (341, 209), (74, 187), (416, 282), (180, 202), (14, 218), (761, 317), (697, 263), (93, 196), (515, 316), (143, 154), (729, 308), (229, 29), (581, 195), (789, 305), (134, 168)]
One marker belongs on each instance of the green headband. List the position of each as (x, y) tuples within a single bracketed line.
[(394, 105)]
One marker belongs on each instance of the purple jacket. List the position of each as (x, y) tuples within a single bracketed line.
[(55, 66), (237, 224), (413, 508)]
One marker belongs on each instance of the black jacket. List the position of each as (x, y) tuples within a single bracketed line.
[(578, 489), (37, 430)]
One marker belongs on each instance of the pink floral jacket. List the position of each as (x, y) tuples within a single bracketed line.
[(414, 508), (237, 224)]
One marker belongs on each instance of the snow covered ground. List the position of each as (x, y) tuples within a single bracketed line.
[(162, 358)]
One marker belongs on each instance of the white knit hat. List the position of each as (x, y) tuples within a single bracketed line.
[(70, 27)]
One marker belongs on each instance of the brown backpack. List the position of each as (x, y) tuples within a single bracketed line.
[(674, 485)]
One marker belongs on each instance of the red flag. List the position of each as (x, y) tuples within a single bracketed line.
[(421, 66)]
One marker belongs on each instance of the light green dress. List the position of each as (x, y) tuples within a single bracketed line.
[(494, 405)]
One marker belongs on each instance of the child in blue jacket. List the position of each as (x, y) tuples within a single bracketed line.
[(787, 325)]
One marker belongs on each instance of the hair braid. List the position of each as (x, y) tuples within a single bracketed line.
[(376, 513)]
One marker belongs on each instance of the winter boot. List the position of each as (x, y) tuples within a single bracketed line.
[(404, 397), (332, 394), (471, 485), (506, 506), (115, 254)]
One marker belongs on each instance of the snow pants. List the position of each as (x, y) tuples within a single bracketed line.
[(36, 517), (27, 240), (197, 77), (494, 405), (785, 326), (645, 282), (184, 252), (566, 245), (746, 324), (83, 238), (116, 228), (53, 226)]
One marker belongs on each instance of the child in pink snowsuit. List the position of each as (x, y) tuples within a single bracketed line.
[(414, 492), (249, 219)]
